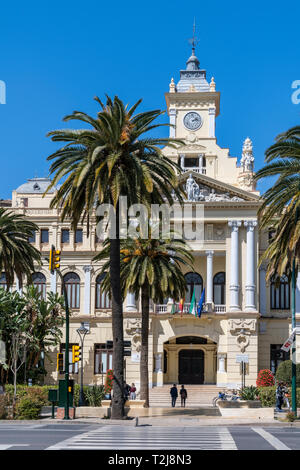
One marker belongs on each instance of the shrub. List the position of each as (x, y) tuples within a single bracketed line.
[(94, 395), (290, 416), (267, 396), (265, 378), (24, 390), (3, 406), (28, 408), (284, 372), (249, 393), (108, 381)]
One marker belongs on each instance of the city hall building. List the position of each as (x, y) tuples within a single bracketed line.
[(243, 318)]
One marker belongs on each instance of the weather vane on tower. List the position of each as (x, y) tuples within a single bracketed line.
[(194, 40)]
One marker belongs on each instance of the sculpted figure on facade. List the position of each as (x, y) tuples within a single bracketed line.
[(198, 192), (247, 159)]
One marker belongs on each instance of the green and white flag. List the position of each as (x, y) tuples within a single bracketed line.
[(193, 306)]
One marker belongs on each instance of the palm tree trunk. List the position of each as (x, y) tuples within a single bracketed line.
[(117, 326), (144, 372)]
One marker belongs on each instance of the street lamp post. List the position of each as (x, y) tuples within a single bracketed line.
[(82, 331)]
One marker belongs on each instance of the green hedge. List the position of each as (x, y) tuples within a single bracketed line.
[(93, 395), (284, 372), (41, 391), (267, 396)]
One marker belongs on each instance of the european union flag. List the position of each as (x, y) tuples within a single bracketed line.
[(200, 304)]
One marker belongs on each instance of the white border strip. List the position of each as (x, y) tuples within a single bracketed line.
[(271, 439)]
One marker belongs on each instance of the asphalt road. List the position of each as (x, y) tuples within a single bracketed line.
[(81, 436)]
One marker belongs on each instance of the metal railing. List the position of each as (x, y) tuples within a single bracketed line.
[(195, 170), (163, 308)]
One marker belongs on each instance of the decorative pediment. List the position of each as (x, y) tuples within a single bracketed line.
[(201, 188), (190, 148)]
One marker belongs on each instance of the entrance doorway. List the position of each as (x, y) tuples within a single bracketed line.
[(191, 366)]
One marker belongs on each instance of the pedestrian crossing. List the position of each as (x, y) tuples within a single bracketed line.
[(139, 438)]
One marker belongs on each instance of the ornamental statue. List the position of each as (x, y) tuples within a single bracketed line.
[(247, 159)]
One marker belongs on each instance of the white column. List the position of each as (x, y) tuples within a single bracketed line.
[(172, 113), (234, 262), (53, 282), (211, 122), (221, 363), (181, 161), (87, 289), (209, 276), (158, 362), (262, 291), (250, 265), (130, 302), (18, 286), (200, 162), (158, 370)]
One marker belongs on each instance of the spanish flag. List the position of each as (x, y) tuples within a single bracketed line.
[(181, 303)]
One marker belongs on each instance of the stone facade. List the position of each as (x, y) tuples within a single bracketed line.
[(238, 319)]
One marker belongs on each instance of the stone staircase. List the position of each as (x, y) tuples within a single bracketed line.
[(198, 395)]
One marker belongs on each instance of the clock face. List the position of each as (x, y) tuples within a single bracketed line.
[(192, 121)]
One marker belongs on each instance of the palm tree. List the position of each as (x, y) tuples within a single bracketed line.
[(152, 267), (100, 164), (281, 202), (17, 255)]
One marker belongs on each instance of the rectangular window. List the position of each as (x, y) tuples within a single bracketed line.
[(44, 236), (31, 238), (78, 236), (73, 368), (103, 359), (191, 162), (65, 236), (277, 356)]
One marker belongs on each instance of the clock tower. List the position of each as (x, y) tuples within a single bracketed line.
[(193, 105)]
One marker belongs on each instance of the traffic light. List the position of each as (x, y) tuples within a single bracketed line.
[(76, 354), (60, 362), (54, 259)]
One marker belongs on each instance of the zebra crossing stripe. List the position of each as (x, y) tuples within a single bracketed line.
[(118, 438)]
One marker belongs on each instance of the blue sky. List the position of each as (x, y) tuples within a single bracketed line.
[(56, 56)]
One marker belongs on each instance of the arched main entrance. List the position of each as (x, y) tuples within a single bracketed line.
[(190, 360), (191, 366)]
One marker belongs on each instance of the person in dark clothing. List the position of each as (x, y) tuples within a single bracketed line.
[(183, 395), (279, 396), (126, 391), (174, 394)]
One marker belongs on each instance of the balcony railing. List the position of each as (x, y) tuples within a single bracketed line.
[(167, 308), (196, 169)]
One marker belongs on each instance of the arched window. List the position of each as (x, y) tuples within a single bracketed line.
[(219, 289), (280, 294), (39, 282), (102, 299), (3, 281), (72, 282), (194, 281)]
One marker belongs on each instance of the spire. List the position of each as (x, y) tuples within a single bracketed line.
[(192, 79), (193, 62)]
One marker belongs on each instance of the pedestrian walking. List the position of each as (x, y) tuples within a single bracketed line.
[(132, 392), (126, 391), (174, 394), (279, 397), (183, 395), (286, 395)]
